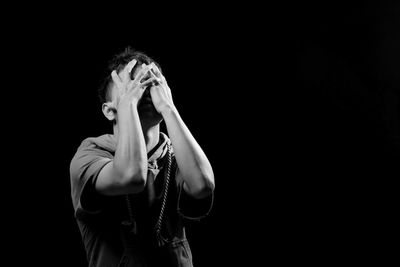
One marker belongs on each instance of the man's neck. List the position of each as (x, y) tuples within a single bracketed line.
[(151, 136)]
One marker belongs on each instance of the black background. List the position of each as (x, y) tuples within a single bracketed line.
[(296, 106)]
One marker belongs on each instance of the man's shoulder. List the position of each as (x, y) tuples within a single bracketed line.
[(94, 147), (102, 142), (91, 150)]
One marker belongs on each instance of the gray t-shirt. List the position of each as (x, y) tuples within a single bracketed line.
[(108, 240)]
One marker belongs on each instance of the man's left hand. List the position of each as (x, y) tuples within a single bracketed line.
[(160, 91)]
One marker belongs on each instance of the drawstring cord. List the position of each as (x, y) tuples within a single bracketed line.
[(160, 240), (132, 223)]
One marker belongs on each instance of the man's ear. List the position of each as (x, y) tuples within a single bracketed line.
[(109, 111)]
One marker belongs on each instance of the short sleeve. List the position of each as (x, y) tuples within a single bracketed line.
[(189, 207), (84, 170)]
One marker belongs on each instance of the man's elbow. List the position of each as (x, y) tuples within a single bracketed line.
[(203, 189), (135, 180)]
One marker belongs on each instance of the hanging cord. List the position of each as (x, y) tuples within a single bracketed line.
[(160, 240), (132, 223)]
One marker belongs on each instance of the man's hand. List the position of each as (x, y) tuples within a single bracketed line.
[(195, 171), (130, 91), (160, 91)]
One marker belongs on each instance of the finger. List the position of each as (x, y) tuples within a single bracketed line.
[(156, 70), (125, 73), (115, 77), (152, 74), (152, 70), (153, 80), (143, 71), (158, 80), (130, 65), (159, 74)]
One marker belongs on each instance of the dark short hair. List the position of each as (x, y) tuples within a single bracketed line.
[(117, 63)]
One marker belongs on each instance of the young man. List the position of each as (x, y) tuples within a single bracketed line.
[(132, 190)]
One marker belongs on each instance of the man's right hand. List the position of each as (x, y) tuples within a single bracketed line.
[(128, 90)]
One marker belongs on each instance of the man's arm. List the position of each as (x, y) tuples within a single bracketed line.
[(193, 164), (127, 173)]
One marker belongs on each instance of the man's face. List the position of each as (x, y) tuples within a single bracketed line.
[(145, 106)]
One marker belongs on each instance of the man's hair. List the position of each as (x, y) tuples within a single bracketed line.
[(117, 63)]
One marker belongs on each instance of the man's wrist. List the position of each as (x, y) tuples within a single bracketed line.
[(168, 110), (127, 104)]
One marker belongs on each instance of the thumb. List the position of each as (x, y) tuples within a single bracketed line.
[(115, 77)]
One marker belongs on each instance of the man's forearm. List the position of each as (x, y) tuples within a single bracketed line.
[(130, 156), (192, 161)]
